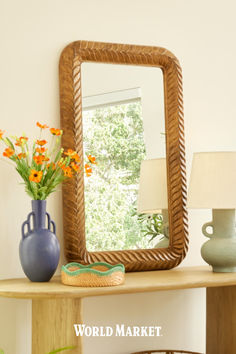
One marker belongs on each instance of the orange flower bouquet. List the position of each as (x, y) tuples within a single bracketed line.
[(44, 166)]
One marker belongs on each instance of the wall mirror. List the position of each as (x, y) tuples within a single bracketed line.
[(123, 124), (122, 104)]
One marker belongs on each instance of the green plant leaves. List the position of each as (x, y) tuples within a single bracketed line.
[(59, 349), (114, 134), (42, 166), (9, 143), (152, 225)]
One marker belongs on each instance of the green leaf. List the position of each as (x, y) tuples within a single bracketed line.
[(152, 238), (150, 229), (1, 351), (61, 349), (29, 193), (58, 156), (9, 143), (149, 233), (34, 189)]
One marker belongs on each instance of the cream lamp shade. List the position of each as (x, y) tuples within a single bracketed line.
[(152, 196), (213, 181)]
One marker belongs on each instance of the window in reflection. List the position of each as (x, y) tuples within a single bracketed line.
[(114, 134)]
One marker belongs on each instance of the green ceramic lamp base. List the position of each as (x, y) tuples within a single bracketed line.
[(224, 269), (220, 250)]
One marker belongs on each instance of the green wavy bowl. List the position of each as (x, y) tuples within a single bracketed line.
[(88, 268)]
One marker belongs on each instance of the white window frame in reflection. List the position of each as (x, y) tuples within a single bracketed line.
[(111, 98)]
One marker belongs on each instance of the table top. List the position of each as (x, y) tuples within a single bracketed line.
[(177, 278)]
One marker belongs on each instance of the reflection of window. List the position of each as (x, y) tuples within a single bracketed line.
[(114, 135)]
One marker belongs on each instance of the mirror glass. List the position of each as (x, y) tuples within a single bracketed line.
[(123, 124)]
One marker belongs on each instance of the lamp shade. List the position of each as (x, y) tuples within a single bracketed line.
[(152, 195), (213, 181)]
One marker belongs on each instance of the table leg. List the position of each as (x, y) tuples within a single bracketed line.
[(221, 320), (52, 325)]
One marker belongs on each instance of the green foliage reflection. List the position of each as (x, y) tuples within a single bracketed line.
[(114, 135)]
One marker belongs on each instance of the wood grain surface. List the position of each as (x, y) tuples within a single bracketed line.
[(165, 351), (221, 320), (178, 278), (53, 325)]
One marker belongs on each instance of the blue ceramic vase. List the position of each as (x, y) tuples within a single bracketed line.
[(39, 246)]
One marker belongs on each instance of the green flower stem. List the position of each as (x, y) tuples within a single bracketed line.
[(60, 349), (27, 153)]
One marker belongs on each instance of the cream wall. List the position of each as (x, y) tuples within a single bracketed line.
[(32, 35)]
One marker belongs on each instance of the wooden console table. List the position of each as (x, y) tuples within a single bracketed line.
[(56, 307)]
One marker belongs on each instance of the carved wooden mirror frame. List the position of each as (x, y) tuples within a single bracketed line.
[(71, 122)]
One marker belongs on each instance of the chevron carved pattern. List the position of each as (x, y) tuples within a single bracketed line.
[(71, 122)]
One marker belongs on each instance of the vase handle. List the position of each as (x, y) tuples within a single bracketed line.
[(51, 222), (26, 223), (204, 229)]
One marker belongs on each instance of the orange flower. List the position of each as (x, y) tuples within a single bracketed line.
[(61, 165), (1, 133), (88, 170), (39, 159), (70, 153), (42, 126), (35, 176), (56, 131), (51, 164), (40, 150), (41, 142), (92, 159), (8, 152), (76, 157), (21, 156), (67, 171), (75, 166), (73, 155), (21, 141)]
